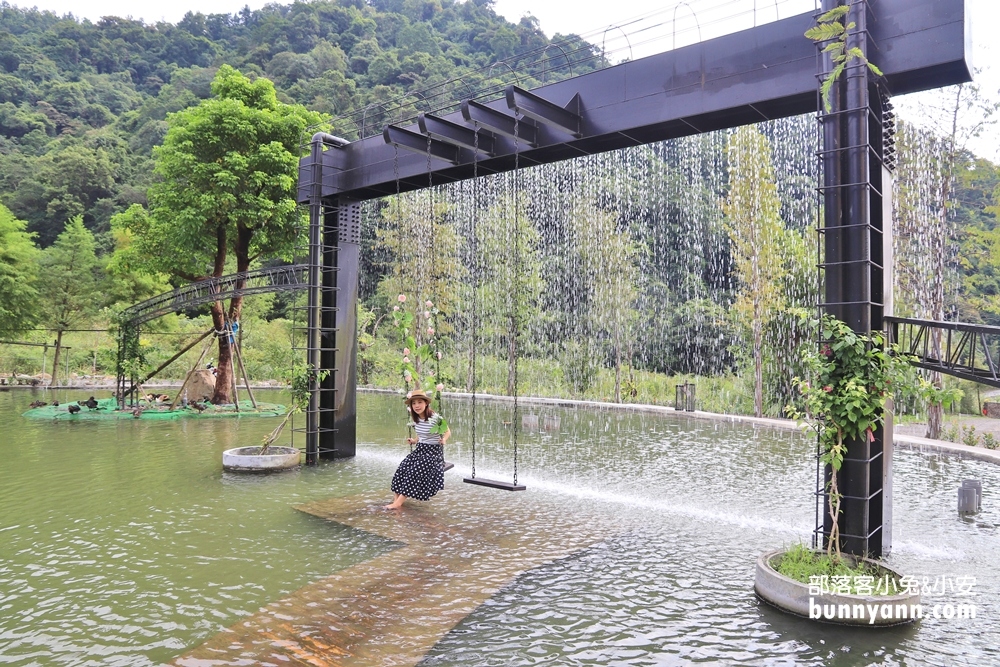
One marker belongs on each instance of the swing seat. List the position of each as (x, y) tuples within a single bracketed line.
[(448, 465), (495, 484)]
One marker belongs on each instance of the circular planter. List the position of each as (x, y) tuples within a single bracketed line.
[(246, 459), (793, 597)]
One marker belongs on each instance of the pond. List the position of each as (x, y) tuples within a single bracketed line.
[(124, 543)]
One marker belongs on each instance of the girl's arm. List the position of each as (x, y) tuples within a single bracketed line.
[(444, 438)]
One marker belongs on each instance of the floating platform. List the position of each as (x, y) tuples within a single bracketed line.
[(107, 408)]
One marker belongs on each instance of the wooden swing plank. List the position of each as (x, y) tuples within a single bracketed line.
[(448, 465), (494, 484)]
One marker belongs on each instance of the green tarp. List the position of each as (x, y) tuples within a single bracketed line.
[(107, 408)]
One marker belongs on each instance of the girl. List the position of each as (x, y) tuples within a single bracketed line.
[(421, 473)]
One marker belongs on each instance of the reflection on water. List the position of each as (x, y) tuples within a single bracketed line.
[(123, 543)]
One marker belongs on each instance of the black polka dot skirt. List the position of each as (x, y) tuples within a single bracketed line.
[(421, 473)]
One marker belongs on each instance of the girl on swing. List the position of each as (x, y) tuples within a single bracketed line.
[(421, 473)]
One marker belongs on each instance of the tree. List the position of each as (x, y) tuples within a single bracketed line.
[(608, 257), (18, 273), (754, 224), (227, 195), (925, 217), (509, 275), (69, 278)]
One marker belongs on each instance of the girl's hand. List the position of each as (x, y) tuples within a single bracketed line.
[(411, 441)]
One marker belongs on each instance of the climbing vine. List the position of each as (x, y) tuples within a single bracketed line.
[(830, 28)]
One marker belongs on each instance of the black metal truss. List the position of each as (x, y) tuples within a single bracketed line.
[(759, 74), (967, 351)]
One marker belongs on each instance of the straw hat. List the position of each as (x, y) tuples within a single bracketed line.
[(417, 393)]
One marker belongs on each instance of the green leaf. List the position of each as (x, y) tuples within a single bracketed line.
[(833, 14), (823, 33), (441, 428)]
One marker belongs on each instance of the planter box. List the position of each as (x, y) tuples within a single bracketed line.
[(793, 597), (246, 459)]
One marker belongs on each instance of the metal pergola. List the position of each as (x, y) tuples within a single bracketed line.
[(767, 72)]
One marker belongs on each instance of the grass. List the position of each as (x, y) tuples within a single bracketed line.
[(801, 564)]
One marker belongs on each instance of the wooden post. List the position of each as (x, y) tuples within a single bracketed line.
[(243, 371)]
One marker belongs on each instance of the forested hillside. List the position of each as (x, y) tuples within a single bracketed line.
[(82, 104)]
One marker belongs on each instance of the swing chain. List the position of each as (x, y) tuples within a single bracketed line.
[(399, 272), (514, 295), (475, 283)]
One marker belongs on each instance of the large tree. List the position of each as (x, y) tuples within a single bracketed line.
[(226, 197), (18, 256)]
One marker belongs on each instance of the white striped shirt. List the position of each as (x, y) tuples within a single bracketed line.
[(423, 429)]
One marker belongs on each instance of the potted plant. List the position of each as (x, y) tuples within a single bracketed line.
[(851, 377), (266, 457)]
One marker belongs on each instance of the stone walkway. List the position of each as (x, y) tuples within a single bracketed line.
[(390, 610)]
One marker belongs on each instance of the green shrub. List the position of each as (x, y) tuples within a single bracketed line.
[(800, 563)]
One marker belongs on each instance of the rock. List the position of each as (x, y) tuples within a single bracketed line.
[(991, 409), (201, 386)]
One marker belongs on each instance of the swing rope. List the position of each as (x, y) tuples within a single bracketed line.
[(515, 293)]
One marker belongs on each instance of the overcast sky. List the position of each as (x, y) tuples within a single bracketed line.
[(647, 26)]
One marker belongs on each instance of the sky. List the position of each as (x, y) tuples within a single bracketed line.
[(628, 28)]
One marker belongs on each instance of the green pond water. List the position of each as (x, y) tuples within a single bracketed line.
[(124, 543)]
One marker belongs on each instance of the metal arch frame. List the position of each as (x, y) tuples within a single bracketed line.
[(758, 74), (290, 278)]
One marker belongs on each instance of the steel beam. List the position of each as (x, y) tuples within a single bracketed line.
[(458, 135), (548, 113), (757, 74), (498, 121), (420, 143)]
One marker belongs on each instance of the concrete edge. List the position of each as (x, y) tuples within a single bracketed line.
[(793, 597), (909, 442), (282, 458)]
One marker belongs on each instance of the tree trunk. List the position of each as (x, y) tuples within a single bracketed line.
[(758, 369), (224, 365), (935, 420), (55, 359), (618, 365)]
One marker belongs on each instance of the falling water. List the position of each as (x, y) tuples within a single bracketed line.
[(625, 280)]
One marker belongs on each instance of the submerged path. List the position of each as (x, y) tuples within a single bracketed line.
[(392, 609)]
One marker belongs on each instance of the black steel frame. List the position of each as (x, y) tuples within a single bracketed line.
[(968, 351), (759, 74)]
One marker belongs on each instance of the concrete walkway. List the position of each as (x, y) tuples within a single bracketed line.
[(391, 610)]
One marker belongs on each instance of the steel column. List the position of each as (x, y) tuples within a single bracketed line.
[(853, 220)]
